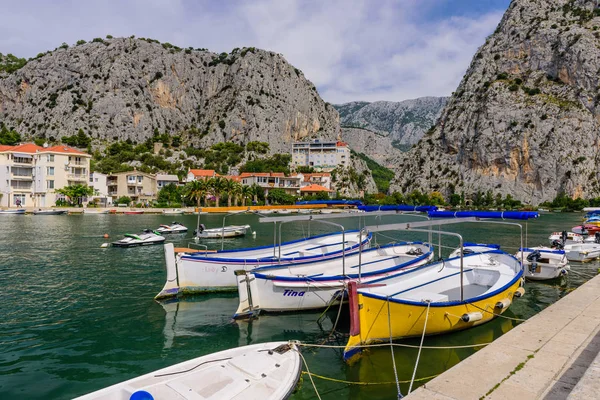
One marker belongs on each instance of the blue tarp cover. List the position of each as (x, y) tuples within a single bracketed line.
[(485, 214), (398, 207)]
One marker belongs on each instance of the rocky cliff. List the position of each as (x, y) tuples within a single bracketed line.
[(126, 88), (404, 122), (526, 117), (377, 146)]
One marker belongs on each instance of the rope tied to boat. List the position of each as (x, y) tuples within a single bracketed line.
[(392, 350), (497, 315), (308, 372), (420, 347), (326, 378), (332, 346)]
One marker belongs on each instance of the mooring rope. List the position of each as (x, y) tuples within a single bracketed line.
[(309, 374), (497, 315), (333, 346), (392, 350), (420, 347), (326, 378)]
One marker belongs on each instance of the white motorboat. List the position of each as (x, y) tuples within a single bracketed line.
[(174, 211), (582, 252), (313, 285), (283, 211), (146, 238), (543, 263), (213, 271), (18, 211), (95, 212), (229, 231), (268, 371), (49, 212), (326, 211), (174, 227), (565, 237)]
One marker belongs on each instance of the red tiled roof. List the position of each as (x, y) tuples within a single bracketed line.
[(203, 172), (4, 147), (27, 148), (63, 149), (315, 188), (235, 178), (341, 144)]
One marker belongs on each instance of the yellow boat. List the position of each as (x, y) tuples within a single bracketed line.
[(437, 298)]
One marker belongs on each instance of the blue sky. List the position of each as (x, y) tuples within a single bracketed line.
[(351, 49)]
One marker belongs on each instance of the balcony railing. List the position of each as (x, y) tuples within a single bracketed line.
[(21, 185), (77, 177), (77, 163)]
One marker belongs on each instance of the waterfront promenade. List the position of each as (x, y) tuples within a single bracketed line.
[(553, 355)]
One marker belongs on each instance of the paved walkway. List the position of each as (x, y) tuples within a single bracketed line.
[(553, 355)]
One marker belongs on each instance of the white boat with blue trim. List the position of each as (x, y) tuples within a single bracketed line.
[(268, 371), (314, 285), (202, 271), (17, 211)]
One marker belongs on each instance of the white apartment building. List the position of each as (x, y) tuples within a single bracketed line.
[(273, 180), (31, 173), (325, 156), (99, 183)]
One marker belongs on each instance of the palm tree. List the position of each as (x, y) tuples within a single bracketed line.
[(216, 186), (237, 191), (229, 188), (256, 190), (195, 191), (245, 192)]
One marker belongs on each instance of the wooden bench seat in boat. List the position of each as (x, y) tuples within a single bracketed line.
[(421, 296)]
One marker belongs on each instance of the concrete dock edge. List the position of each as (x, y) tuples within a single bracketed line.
[(553, 355)]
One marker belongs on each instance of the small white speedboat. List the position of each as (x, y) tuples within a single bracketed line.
[(146, 238), (19, 211), (95, 212), (230, 231), (174, 227), (268, 371), (174, 211), (543, 263), (49, 212), (582, 252), (470, 248), (565, 237)]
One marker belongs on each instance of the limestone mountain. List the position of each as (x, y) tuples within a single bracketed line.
[(127, 88), (525, 119), (403, 122)]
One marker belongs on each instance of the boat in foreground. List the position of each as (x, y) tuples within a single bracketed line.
[(174, 227), (230, 231), (314, 285), (450, 297), (267, 371), (146, 238), (49, 212), (543, 263), (206, 271), (19, 211)]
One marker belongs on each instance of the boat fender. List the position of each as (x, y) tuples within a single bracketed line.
[(105, 245), (141, 395), (519, 292), (472, 317), (503, 304), (239, 272), (563, 271), (254, 234), (105, 236)]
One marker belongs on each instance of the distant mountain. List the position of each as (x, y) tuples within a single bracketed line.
[(404, 122)]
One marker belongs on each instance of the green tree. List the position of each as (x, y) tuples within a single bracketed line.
[(123, 200), (8, 137), (454, 199), (246, 193), (217, 188), (229, 189), (170, 193), (279, 196), (76, 193), (196, 191)]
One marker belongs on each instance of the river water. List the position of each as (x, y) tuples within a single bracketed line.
[(77, 317)]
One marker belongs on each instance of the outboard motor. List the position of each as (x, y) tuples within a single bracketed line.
[(564, 236), (533, 258), (199, 230), (597, 237), (415, 252), (556, 244)]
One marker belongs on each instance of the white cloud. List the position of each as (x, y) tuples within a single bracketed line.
[(351, 50)]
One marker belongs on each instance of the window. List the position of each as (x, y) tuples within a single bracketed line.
[(49, 184), (50, 171), (50, 158), (139, 179)]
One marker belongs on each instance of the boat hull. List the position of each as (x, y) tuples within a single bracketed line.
[(551, 265), (50, 212), (259, 293), (189, 274), (379, 319), (136, 244), (12, 212), (267, 371), (228, 232)]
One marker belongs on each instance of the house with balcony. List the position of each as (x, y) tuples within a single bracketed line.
[(271, 180), (140, 187), (318, 178), (200, 174), (163, 180), (98, 182), (32, 174), (321, 155)]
